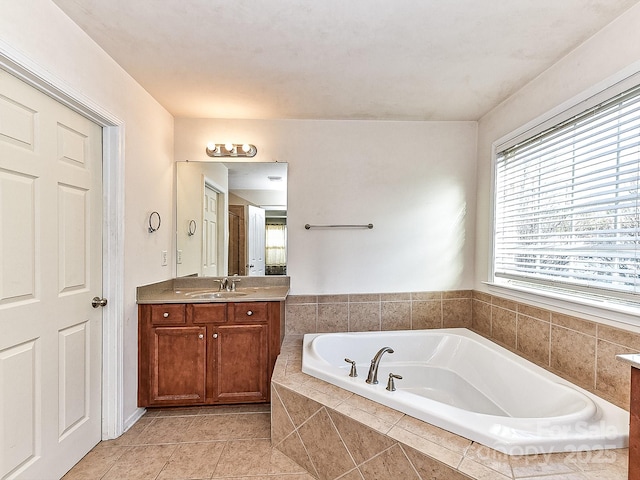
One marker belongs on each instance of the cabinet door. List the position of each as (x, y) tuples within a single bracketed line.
[(177, 365), (241, 363)]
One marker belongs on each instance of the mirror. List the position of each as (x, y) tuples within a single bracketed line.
[(231, 218)]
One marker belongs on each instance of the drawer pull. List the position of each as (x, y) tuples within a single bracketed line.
[(165, 314), (201, 336), (249, 313), (215, 335)]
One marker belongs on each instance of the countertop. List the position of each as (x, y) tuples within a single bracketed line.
[(207, 290), (632, 359)]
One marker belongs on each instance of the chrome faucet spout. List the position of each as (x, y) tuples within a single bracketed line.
[(372, 377)]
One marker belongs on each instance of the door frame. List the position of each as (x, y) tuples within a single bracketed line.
[(113, 128)]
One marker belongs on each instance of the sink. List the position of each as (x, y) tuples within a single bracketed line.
[(213, 295)]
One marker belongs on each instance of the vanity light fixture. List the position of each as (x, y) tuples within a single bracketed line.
[(231, 150)]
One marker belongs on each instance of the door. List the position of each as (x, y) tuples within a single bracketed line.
[(210, 232), (237, 241), (50, 269), (256, 240)]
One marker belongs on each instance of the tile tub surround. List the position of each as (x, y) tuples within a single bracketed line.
[(335, 434), (579, 350)]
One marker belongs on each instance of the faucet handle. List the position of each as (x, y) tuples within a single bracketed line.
[(233, 283), (391, 386), (353, 372)]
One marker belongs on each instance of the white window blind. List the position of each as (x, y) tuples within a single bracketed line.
[(567, 211)]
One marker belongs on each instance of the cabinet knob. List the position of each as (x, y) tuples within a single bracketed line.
[(165, 314), (215, 335), (249, 313), (201, 336)]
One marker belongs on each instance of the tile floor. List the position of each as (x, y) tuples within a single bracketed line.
[(230, 442)]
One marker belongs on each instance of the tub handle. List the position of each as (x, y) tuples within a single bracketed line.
[(353, 372), (391, 386)]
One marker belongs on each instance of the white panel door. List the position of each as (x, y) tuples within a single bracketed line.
[(50, 269), (210, 233), (256, 240)]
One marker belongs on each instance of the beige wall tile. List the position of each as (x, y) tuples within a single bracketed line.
[(391, 463), (333, 298), (361, 441), (297, 299), (619, 336), (504, 303), (364, 297), (432, 469), (573, 323), (395, 297), (426, 314), (481, 317), (483, 297), (364, 317), (281, 425), (535, 312), (299, 407), (574, 354), (533, 339), (395, 315), (301, 319), (504, 326), (333, 317), (425, 296), (457, 294), (612, 376), (293, 448), (456, 313), (325, 447)]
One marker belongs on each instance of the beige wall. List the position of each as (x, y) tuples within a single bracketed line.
[(415, 181), (39, 31), (610, 55)]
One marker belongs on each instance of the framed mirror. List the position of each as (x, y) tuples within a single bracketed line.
[(231, 218)]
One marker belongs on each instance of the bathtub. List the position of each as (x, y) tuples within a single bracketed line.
[(461, 382)]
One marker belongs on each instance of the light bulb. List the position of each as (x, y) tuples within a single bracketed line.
[(228, 147), (246, 148), (211, 146)]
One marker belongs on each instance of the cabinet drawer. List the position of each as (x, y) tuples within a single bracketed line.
[(168, 314), (249, 312), (208, 312)]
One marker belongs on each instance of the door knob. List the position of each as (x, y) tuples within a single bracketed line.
[(98, 302)]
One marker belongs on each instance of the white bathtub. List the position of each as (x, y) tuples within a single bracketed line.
[(468, 385)]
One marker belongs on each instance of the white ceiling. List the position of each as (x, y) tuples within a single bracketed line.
[(338, 59)]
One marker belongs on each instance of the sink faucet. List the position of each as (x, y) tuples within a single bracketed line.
[(372, 377), (224, 284)]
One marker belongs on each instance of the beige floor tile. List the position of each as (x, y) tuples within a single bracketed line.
[(165, 430), (192, 460), (253, 457), (143, 462), (208, 428), (96, 463)]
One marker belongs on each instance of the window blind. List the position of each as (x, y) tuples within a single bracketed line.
[(567, 208)]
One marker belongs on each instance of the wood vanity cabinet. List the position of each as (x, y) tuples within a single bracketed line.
[(207, 353)]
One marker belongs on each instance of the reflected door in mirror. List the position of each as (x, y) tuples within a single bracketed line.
[(237, 241)]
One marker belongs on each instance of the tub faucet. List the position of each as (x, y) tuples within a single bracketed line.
[(372, 377)]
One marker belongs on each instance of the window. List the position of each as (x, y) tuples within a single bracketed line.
[(567, 205), (276, 245)]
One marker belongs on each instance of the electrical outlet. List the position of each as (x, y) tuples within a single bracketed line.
[(179, 257), (163, 256)]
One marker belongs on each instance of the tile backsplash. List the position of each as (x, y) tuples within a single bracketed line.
[(579, 350)]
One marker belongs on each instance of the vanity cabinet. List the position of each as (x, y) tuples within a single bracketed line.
[(207, 353)]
